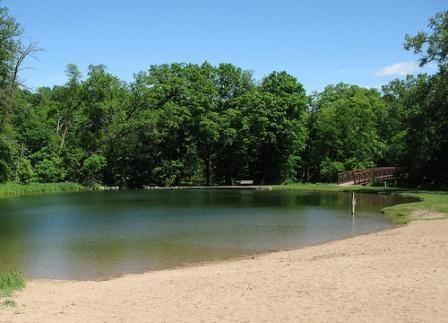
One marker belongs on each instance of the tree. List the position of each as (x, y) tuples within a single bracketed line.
[(21, 54), (202, 102), (160, 117), (69, 103), (10, 32), (276, 117), (186, 123), (402, 101), (102, 95), (426, 153), (346, 130), (427, 138), (432, 47)]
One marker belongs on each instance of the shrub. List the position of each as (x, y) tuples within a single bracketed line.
[(10, 281), (51, 170), (93, 166), (25, 171)]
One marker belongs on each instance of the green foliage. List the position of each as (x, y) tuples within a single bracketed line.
[(93, 166), (186, 123), (10, 281), (345, 130), (7, 152), (431, 46), (330, 169), (5, 160), (48, 167), (426, 153), (14, 189), (25, 172), (10, 31)]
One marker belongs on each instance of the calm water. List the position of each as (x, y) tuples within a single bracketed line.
[(92, 235)]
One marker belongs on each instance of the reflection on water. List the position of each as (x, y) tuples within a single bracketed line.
[(98, 234)]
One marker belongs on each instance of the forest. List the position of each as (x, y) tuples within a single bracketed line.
[(189, 124)]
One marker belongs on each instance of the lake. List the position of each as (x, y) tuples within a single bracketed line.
[(96, 235)]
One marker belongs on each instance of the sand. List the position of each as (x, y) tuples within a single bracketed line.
[(395, 275)]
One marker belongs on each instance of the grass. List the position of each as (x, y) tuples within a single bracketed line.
[(431, 204), (309, 187), (13, 189), (10, 281)]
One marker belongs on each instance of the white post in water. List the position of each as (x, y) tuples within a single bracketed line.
[(353, 203)]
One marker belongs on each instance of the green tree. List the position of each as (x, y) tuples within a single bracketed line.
[(10, 32), (276, 119), (427, 138), (230, 162), (402, 99), (346, 130), (433, 46)]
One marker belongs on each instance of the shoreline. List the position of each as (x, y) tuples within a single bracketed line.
[(395, 274), (120, 275), (417, 213), (224, 261), (206, 263)]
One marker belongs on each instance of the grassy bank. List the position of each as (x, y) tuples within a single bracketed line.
[(13, 189), (432, 204)]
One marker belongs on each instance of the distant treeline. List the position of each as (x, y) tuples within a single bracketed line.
[(203, 124)]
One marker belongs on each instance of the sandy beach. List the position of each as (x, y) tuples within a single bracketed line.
[(395, 275)]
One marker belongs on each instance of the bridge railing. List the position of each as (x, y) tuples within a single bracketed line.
[(366, 175)]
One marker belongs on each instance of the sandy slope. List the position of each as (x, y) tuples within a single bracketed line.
[(395, 275)]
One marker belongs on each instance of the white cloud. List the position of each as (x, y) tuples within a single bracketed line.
[(402, 68)]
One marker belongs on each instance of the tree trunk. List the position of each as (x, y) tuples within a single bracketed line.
[(63, 139)]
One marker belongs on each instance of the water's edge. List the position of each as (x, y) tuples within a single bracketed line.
[(238, 257)]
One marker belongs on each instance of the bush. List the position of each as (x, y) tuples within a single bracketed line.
[(48, 166), (93, 166), (25, 171), (51, 170)]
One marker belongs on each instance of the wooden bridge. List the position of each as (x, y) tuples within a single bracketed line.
[(367, 175)]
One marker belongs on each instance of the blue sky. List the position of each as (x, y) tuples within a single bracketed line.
[(319, 42)]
